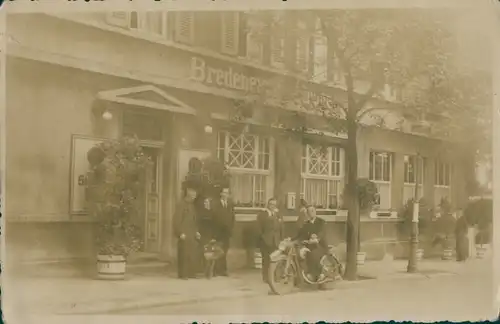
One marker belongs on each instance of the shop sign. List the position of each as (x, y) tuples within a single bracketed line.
[(232, 79)]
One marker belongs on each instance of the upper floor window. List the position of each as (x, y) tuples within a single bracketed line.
[(230, 32), (320, 70), (151, 23), (322, 176), (381, 174), (278, 51), (302, 53), (184, 27), (249, 158)]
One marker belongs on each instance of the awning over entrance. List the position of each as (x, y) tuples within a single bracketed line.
[(147, 96)]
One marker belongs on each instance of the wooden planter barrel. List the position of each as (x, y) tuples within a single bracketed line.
[(257, 260), (111, 267), (447, 254), (480, 252), (360, 258), (420, 254)]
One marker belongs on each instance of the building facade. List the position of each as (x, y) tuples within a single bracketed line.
[(173, 79)]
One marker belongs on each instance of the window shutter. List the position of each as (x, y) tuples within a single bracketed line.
[(118, 18), (230, 32), (184, 27)]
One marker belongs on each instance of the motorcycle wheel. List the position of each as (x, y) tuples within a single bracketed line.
[(282, 283)]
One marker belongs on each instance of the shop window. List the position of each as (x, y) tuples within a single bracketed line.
[(184, 27), (380, 173), (150, 23), (249, 159), (410, 165), (442, 182), (230, 32), (322, 176)]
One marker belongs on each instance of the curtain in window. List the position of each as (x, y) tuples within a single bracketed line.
[(384, 190)]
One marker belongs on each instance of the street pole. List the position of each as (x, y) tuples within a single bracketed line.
[(412, 260)]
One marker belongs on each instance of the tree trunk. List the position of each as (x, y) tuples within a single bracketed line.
[(352, 234)]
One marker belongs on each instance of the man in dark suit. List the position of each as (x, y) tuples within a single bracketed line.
[(313, 234), (271, 233), (223, 223)]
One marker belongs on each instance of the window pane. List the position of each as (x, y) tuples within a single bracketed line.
[(387, 167), (316, 192), (134, 20), (372, 165), (378, 167)]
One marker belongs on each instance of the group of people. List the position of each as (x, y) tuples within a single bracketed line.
[(196, 224)]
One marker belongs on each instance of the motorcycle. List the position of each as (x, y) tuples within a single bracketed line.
[(286, 270)]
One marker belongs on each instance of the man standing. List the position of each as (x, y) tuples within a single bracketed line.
[(186, 231), (223, 225), (271, 233)]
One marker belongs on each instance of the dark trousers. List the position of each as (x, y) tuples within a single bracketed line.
[(313, 260), (462, 247), (221, 264), (265, 251), (187, 264)]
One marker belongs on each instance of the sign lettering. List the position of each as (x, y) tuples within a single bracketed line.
[(231, 79), (226, 78)]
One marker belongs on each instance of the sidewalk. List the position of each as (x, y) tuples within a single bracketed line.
[(77, 295)]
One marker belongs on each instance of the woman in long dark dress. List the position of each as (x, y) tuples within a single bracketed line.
[(462, 241), (186, 231)]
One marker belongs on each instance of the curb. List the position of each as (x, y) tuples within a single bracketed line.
[(154, 303)]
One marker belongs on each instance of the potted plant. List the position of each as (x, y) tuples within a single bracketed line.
[(115, 182), (367, 197), (425, 214)]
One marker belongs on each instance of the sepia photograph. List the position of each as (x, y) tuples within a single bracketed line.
[(311, 163)]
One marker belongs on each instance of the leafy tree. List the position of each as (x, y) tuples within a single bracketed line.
[(413, 51), (115, 182)]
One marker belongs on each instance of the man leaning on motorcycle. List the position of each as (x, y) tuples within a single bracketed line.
[(314, 245)]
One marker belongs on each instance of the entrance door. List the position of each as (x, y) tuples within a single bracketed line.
[(152, 202), (183, 163)]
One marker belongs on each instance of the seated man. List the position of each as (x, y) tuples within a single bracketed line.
[(312, 233)]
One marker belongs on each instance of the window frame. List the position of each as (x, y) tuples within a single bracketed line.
[(382, 182), (274, 63), (409, 184), (436, 174), (142, 27), (319, 42), (340, 177), (267, 173), (306, 39)]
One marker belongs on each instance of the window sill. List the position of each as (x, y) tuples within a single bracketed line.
[(383, 214)]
